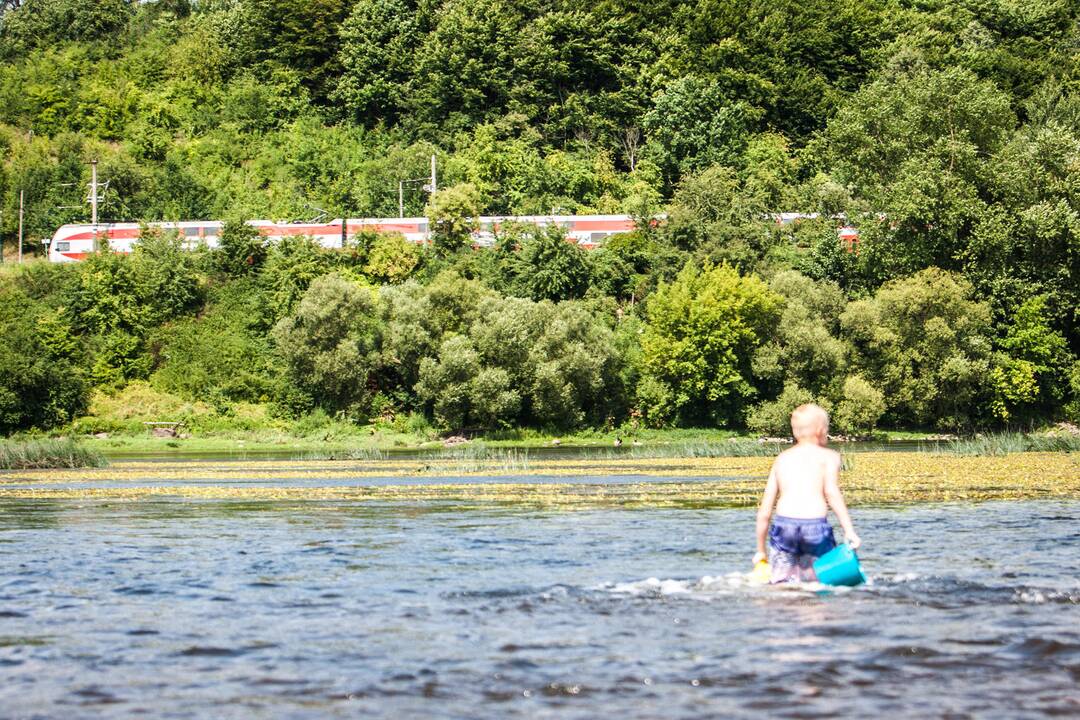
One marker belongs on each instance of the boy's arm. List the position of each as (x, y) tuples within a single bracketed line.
[(835, 499), (764, 513)]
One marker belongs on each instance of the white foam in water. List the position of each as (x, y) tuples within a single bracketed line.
[(710, 586)]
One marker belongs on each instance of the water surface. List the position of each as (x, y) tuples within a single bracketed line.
[(194, 609)]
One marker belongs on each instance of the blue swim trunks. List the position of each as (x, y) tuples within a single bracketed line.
[(794, 545)]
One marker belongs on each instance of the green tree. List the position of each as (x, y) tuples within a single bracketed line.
[(42, 380), (924, 342), (576, 369), (549, 266), (241, 248), (291, 266), (330, 344), (1032, 377), (860, 408), (805, 351), (453, 215), (461, 392), (39, 23), (693, 125), (697, 347), (392, 258), (913, 144), (378, 42)]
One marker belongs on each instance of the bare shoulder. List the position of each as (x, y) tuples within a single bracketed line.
[(824, 455), (786, 456), (831, 456)]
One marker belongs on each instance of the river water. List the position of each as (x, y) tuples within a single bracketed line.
[(207, 609)]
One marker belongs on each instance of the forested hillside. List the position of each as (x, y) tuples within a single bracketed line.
[(947, 132)]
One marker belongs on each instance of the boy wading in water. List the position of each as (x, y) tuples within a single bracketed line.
[(806, 477)]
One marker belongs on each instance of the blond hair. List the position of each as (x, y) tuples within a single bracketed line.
[(809, 421)]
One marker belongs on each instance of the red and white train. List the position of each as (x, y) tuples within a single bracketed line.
[(75, 242)]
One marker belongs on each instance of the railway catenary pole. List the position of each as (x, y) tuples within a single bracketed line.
[(400, 198), (433, 185)]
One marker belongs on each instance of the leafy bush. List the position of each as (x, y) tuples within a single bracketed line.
[(703, 329), (924, 342), (774, 417), (461, 392), (42, 383), (329, 344), (241, 248), (290, 268), (549, 267), (452, 213), (392, 259), (860, 407), (223, 353)]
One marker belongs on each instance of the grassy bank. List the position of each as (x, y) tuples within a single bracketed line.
[(47, 454), (341, 441)]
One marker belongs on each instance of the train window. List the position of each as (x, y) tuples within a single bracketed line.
[(191, 232), (598, 236), (63, 246)]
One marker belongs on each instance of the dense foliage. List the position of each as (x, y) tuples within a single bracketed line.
[(947, 132)]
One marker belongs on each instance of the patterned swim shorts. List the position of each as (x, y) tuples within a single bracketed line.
[(794, 545)]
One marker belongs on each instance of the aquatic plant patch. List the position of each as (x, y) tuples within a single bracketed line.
[(872, 478)]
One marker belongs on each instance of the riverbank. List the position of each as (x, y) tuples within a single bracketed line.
[(869, 479), (374, 442)]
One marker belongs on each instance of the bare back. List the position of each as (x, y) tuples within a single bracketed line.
[(803, 475)]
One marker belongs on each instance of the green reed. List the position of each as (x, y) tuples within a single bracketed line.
[(47, 454), (1007, 443)]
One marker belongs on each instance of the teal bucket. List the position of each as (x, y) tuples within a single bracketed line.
[(839, 566)]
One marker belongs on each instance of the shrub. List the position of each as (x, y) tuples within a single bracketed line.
[(223, 352), (391, 258), (453, 212), (861, 407), (697, 347), (550, 267), (461, 393), (241, 249), (42, 384), (290, 268), (774, 417), (329, 344)]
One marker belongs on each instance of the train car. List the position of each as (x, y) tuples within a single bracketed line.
[(74, 242)]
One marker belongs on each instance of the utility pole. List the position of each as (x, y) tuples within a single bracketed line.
[(93, 194), (433, 185), (401, 193), (20, 223)]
